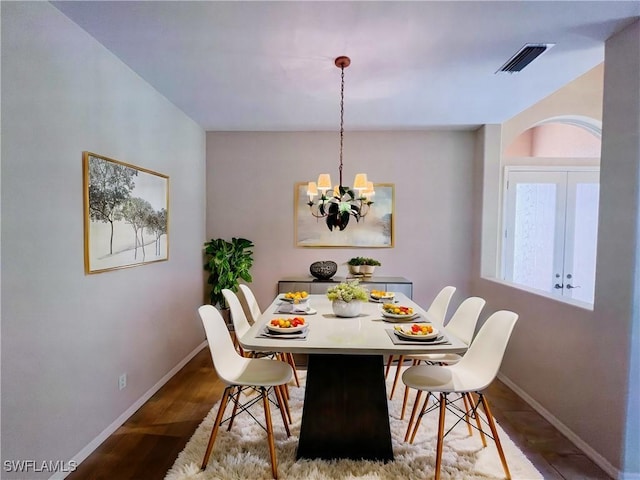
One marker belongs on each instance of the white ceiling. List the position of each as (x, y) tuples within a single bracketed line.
[(269, 65)]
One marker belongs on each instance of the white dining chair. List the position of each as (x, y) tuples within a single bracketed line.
[(471, 375), (437, 312), (240, 374), (244, 324), (250, 302), (240, 323), (463, 325)]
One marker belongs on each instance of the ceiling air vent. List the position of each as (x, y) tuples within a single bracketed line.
[(524, 57)]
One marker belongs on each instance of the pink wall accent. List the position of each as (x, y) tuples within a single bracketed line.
[(562, 140), (521, 146), (557, 140)]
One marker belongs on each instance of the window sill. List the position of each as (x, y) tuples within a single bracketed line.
[(541, 293)]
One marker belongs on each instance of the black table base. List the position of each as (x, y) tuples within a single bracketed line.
[(345, 412)]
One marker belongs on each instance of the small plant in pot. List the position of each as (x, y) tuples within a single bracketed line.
[(347, 298), (227, 263), (368, 266), (355, 265)]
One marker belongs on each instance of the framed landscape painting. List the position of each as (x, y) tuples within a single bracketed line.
[(126, 214), (374, 230)]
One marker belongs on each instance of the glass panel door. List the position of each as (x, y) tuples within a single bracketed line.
[(551, 228), (534, 236), (583, 190)]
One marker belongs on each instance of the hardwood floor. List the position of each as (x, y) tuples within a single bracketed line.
[(146, 446)]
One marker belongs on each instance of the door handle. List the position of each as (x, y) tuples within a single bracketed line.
[(569, 286), (558, 285)]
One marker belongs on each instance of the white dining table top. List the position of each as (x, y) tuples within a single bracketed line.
[(363, 335)]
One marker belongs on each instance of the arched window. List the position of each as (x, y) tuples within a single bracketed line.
[(550, 217)]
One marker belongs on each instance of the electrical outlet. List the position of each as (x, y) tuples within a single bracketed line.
[(122, 381)]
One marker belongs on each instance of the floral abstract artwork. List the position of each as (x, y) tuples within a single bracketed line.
[(126, 214), (374, 230)]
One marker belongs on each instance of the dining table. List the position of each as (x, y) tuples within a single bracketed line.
[(345, 411)]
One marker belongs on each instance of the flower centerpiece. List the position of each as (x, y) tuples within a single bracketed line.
[(347, 298)]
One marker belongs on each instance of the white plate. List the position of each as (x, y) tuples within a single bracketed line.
[(389, 296), (290, 300), (402, 332), (399, 317), (297, 329)]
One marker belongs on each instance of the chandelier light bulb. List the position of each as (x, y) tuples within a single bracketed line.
[(312, 190), (324, 182), (360, 182)]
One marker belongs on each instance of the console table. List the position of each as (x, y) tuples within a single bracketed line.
[(315, 286)]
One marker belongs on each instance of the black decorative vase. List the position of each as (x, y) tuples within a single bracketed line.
[(323, 270)]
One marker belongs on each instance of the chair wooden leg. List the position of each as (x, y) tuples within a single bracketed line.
[(285, 402), (424, 409), (414, 410), (405, 399), (406, 395), (395, 380), (478, 424), (270, 439), (214, 431), (235, 409), (494, 431), (389, 362), (292, 362), (280, 400), (465, 399), (443, 409)]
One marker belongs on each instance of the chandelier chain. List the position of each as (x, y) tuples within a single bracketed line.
[(341, 120)]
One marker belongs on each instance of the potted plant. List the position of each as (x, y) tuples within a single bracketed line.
[(355, 265), (347, 298), (368, 266), (227, 262)]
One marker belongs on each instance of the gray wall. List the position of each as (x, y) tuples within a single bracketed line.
[(250, 193), (67, 336)]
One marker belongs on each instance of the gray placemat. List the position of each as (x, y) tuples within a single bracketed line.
[(440, 340)]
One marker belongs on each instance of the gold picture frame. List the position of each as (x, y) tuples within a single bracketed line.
[(126, 214), (375, 230)]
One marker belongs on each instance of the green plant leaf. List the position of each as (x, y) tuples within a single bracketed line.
[(227, 262)]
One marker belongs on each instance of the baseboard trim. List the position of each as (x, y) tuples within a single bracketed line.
[(566, 431), (96, 442)]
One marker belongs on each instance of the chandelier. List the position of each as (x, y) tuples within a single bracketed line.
[(339, 203)]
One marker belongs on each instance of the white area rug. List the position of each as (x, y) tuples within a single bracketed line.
[(243, 453)]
